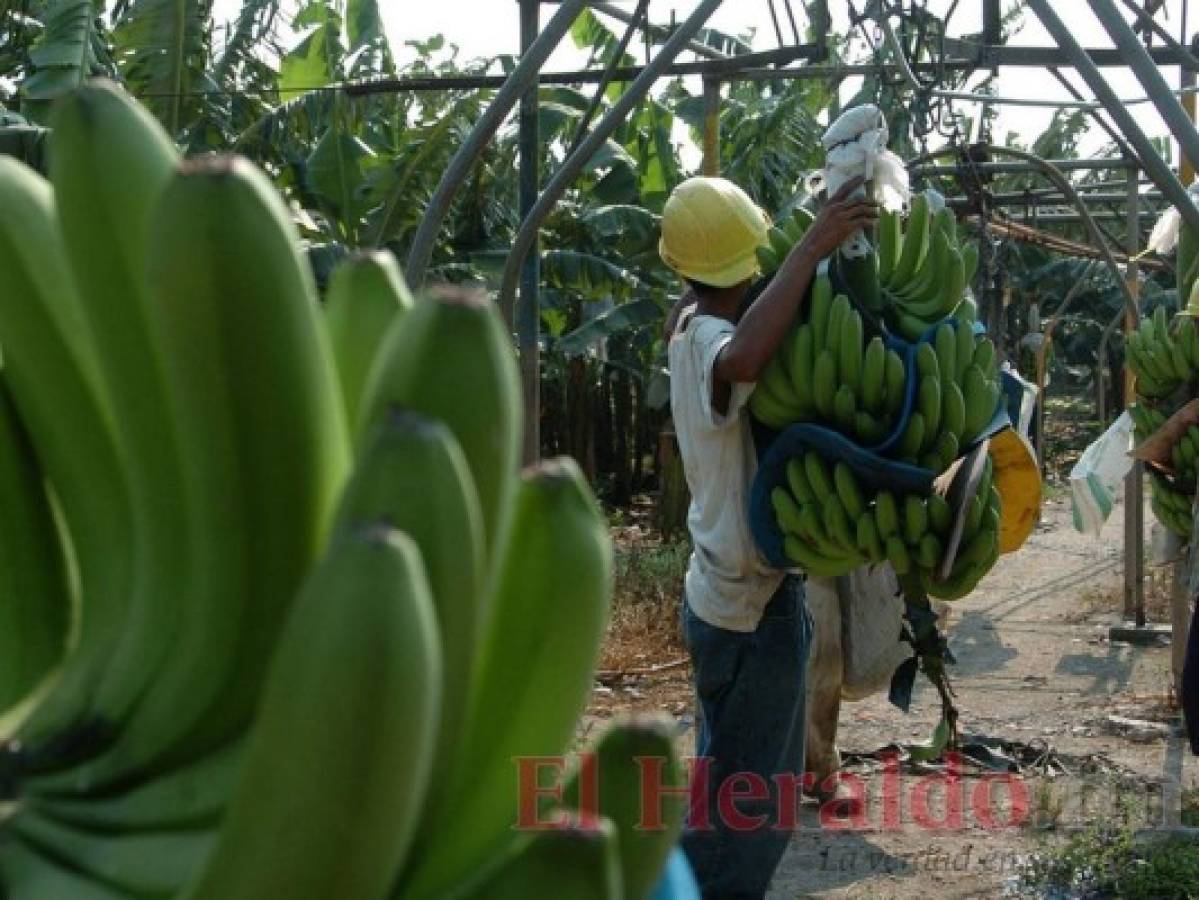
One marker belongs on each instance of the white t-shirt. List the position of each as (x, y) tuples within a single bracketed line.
[(728, 584)]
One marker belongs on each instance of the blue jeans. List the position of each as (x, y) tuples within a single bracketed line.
[(750, 690)]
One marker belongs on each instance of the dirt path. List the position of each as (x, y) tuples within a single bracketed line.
[(1034, 666)]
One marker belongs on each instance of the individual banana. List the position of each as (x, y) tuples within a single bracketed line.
[(527, 692), (35, 584), (915, 237), (822, 564), (873, 375), (411, 474), (928, 403), (821, 306), (848, 490), (797, 480), (615, 765), (450, 359), (915, 519), (786, 511), (845, 409), (981, 396), (886, 513), (366, 295), (824, 383), (890, 240), (339, 755), (894, 383), (818, 476), (49, 367), (849, 362), (869, 542), (111, 163), (803, 360)]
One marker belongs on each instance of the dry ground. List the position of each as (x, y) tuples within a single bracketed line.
[(1034, 666)]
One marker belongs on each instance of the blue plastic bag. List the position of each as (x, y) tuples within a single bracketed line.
[(678, 881)]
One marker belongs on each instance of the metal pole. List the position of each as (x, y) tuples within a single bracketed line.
[(1153, 164), (1186, 81), (655, 31), (1134, 495), (1151, 78), (922, 170), (515, 86), (528, 314), (574, 164), (711, 163), (1180, 602)]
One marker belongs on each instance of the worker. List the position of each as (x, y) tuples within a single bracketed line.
[(745, 623)]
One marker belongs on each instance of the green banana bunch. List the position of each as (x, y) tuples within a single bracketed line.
[(783, 236), (957, 392), (1172, 505), (827, 372), (979, 546), (1162, 362), (831, 526), (290, 673), (923, 271), (261, 473), (1146, 420), (1165, 359)]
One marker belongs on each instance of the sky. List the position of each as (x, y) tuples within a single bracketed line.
[(488, 27)]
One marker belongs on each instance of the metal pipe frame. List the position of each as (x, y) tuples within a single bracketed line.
[(1154, 166), (516, 85), (729, 68), (655, 32), (1015, 168), (526, 237), (1151, 79), (1152, 24), (1134, 496)]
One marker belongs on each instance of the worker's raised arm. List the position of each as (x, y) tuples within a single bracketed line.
[(765, 323)]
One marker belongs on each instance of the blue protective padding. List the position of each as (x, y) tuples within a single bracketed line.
[(872, 471), (776, 449)]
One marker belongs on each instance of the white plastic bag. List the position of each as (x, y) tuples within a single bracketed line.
[(856, 145), (1164, 236), (1096, 478), (871, 620)]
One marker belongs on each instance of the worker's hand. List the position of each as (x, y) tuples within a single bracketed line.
[(840, 217)]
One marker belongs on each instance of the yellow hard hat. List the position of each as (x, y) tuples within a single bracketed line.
[(1018, 480), (711, 231)]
